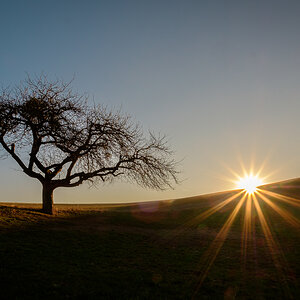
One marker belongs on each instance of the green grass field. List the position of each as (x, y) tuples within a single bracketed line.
[(188, 248)]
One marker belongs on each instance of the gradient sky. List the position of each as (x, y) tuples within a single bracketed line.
[(220, 78)]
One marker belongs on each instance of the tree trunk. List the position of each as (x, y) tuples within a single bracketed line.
[(48, 199)]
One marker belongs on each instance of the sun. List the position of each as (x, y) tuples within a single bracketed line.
[(249, 183)]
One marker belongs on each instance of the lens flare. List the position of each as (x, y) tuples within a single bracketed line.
[(249, 183)]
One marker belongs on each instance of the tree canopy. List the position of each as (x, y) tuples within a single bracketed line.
[(55, 136)]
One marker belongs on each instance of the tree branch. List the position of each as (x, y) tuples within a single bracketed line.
[(26, 170)]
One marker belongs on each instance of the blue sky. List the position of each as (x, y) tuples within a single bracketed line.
[(220, 78)]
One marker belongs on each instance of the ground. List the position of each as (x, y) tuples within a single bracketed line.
[(183, 249)]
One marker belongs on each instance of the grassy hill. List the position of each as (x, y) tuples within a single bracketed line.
[(223, 245)]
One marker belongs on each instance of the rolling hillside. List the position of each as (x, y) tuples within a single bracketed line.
[(222, 245)]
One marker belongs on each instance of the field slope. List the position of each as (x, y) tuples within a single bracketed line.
[(224, 245)]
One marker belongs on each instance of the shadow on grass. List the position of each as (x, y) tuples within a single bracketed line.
[(70, 256)]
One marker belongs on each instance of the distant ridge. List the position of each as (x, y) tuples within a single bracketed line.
[(284, 183), (289, 187)]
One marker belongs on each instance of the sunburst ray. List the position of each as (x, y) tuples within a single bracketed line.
[(201, 217), (274, 248), (287, 199), (212, 252), (246, 232), (288, 217)]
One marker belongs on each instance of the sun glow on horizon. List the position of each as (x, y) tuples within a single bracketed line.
[(251, 202), (249, 183)]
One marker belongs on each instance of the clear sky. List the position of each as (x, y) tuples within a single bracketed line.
[(220, 78)]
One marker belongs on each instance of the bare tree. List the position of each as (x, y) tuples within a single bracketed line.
[(57, 138)]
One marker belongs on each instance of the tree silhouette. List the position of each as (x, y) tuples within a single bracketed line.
[(57, 138)]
